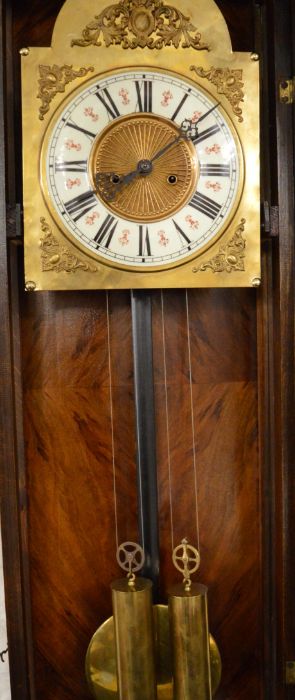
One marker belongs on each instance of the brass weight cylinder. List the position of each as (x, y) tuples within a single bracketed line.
[(188, 619), (134, 635)]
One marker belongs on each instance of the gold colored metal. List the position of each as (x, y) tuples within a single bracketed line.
[(130, 557), (24, 52), (101, 659), (53, 79), (190, 642), (256, 282), (290, 673), (57, 257), (30, 286), (134, 23), (203, 14), (134, 138), (287, 91), (230, 257), (186, 559), (134, 635), (254, 57), (228, 82)]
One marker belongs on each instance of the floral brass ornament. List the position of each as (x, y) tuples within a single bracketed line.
[(230, 256), (141, 23), (228, 82), (53, 79), (58, 258)]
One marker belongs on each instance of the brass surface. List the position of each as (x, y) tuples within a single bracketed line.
[(230, 257), (133, 23), (53, 79), (73, 16), (190, 642), (186, 559), (134, 636), (101, 659), (228, 82), (57, 257), (148, 197)]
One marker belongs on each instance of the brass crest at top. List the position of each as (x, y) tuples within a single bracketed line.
[(141, 23)]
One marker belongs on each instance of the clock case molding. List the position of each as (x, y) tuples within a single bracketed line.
[(201, 52)]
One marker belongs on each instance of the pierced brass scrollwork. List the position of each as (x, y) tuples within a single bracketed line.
[(230, 256), (58, 257), (53, 79), (141, 23), (228, 83)]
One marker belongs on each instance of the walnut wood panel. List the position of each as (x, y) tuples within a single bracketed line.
[(70, 479), (222, 333)]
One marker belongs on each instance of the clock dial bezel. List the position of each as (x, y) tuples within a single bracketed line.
[(109, 262)]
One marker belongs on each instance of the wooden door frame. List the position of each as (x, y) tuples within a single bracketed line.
[(276, 351)]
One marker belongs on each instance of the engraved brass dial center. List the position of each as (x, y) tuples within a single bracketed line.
[(159, 188)]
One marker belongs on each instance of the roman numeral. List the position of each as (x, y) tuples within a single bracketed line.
[(108, 102), (144, 242), (215, 170), (144, 95), (71, 166), (206, 134), (80, 205), (205, 205), (174, 115), (80, 128), (182, 234), (106, 231)]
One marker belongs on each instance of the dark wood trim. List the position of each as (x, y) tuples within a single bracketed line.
[(10, 428), (280, 49)]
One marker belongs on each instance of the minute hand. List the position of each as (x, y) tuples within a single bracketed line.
[(183, 134)]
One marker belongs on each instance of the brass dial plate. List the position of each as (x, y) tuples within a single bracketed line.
[(101, 660), (151, 197)]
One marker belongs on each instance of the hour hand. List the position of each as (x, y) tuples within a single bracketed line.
[(110, 184)]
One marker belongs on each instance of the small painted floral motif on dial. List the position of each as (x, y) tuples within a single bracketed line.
[(152, 105)]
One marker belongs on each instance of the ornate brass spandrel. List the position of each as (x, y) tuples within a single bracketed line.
[(141, 23), (53, 80), (59, 258), (229, 82), (230, 257)]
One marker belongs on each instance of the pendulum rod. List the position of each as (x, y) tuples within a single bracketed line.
[(141, 308)]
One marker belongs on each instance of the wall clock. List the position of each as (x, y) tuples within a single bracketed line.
[(141, 161)]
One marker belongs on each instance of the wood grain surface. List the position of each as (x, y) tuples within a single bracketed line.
[(71, 457)]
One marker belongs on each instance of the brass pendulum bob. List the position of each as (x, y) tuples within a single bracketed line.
[(134, 634), (188, 619)]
